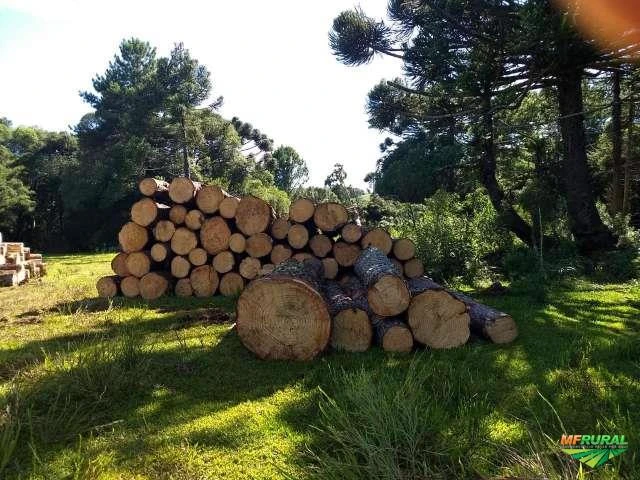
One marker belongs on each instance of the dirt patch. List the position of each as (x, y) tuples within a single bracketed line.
[(202, 316)]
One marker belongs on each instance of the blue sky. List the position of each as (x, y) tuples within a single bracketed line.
[(269, 59)]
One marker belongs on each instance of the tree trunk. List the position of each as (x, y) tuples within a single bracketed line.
[(617, 190), (488, 322), (185, 152), (628, 171), (587, 227), (283, 316), (511, 219)]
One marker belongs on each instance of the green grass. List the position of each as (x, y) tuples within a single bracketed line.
[(128, 390)]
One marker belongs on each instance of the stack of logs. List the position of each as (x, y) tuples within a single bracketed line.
[(18, 264), (308, 280)]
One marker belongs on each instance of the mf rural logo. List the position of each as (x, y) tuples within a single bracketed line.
[(593, 450)]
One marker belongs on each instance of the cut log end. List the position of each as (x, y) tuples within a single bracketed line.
[(237, 243), (107, 287), (119, 264), (259, 245), (404, 249), (438, 320), (330, 216), (150, 186), (502, 330), (279, 228), (194, 219), (413, 268), (160, 252), (182, 189), (351, 331), (231, 284), (183, 288), (351, 233), (249, 268), (180, 267), (183, 241), (253, 215), (215, 235), (204, 281), (397, 339), (378, 238), (320, 245), (209, 198), (177, 214), (346, 254), (224, 262), (298, 236), (153, 285), (164, 230), (228, 207), (283, 319), (197, 256), (388, 296), (132, 237), (330, 268), (301, 210), (146, 211), (130, 287), (138, 264), (280, 253)]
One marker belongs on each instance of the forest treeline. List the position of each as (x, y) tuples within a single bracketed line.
[(512, 136)]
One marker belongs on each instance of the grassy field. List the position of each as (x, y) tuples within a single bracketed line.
[(128, 390)]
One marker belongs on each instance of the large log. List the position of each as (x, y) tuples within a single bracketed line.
[(180, 267), (177, 214), (392, 334), (351, 232), (215, 235), (194, 219), (119, 264), (198, 256), (249, 268), (108, 287), (351, 330), (183, 288), (130, 286), (229, 207), (492, 324), (280, 253), (259, 245), (139, 263), (146, 211), (132, 237), (183, 190), (224, 262), (237, 243), (160, 252), (231, 284), (320, 245), (301, 210), (387, 293), (204, 281), (330, 216), (151, 186), (209, 197), (378, 238), (253, 215), (436, 318), (298, 236), (164, 230), (404, 249), (345, 254), (279, 228), (153, 285), (183, 241), (283, 315)]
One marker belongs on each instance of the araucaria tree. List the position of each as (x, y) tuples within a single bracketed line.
[(466, 64)]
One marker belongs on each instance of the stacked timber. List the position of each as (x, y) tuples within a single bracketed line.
[(18, 264), (312, 279)]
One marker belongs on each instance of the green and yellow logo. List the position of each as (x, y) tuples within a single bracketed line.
[(593, 450)]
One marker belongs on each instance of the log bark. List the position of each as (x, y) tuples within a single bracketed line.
[(253, 215), (229, 207), (302, 257), (151, 186), (266, 269), (492, 324), (298, 236), (183, 288), (146, 211), (346, 254), (283, 316), (249, 268), (209, 198), (153, 285), (259, 245), (108, 287), (183, 190), (330, 216), (378, 238), (215, 235), (164, 230), (330, 268), (387, 293), (160, 252), (279, 228), (351, 329), (301, 210), (180, 267), (224, 262), (392, 334), (132, 237), (280, 253), (437, 319), (177, 214), (413, 268), (198, 256), (320, 245), (119, 264), (404, 249), (183, 241), (237, 243), (194, 219), (351, 232), (139, 263), (204, 281), (398, 265), (231, 284), (130, 287)]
